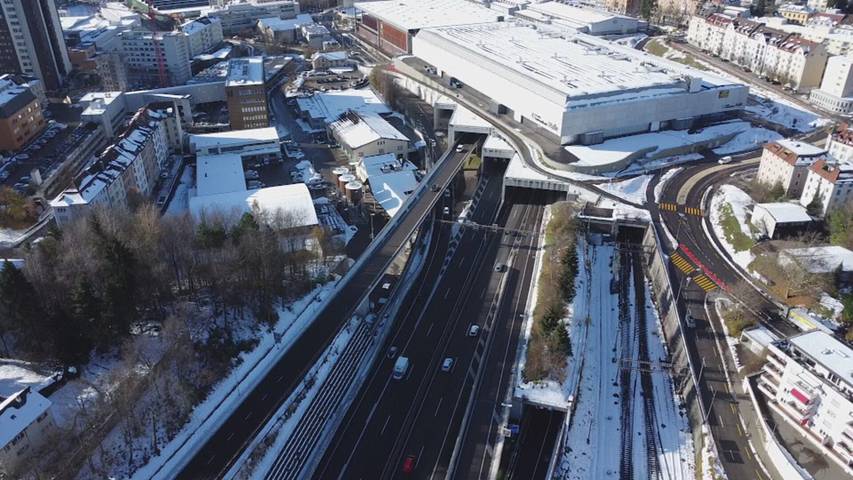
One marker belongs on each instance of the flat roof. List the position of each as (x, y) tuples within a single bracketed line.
[(572, 64), (417, 14), (391, 190), (234, 138), (824, 259), (786, 212), (574, 15), (292, 201), (217, 174), (801, 149), (330, 105), (285, 24), (827, 351), (245, 71)]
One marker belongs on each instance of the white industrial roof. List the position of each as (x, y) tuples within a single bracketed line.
[(278, 24), (575, 65), (293, 202), (217, 174), (494, 142), (16, 417), (376, 165), (827, 351), (416, 14), (358, 129), (784, 212), (330, 105), (245, 71), (573, 15), (233, 138), (462, 117), (801, 149), (392, 189), (822, 259)]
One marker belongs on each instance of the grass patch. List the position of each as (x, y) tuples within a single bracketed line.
[(659, 49), (549, 345), (732, 231), (16, 211), (656, 47), (473, 162), (737, 320)]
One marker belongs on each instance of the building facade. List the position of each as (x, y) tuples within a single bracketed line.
[(25, 424), (829, 181), (21, 117), (203, 34), (808, 379), (31, 41), (238, 17), (787, 163), (836, 89), (246, 94), (155, 59)]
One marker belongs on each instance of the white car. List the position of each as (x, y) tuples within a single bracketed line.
[(725, 160), (447, 364), (460, 148), (473, 330), (447, 210)]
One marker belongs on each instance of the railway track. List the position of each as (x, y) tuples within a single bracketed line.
[(626, 470), (650, 417)]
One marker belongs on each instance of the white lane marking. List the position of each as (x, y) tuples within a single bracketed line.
[(438, 406), (385, 425), (430, 328)]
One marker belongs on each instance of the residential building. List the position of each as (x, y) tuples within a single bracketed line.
[(251, 145), (111, 70), (21, 116), (798, 14), (315, 35), (174, 4), (277, 30), (817, 5), (239, 17), (776, 220), (836, 89), (156, 59), (366, 134), (327, 60), (625, 7), (31, 41), (130, 165), (788, 58), (25, 425), (786, 163), (246, 94), (829, 181), (107, 109), (839, 143), (203, 34), (808, 379)]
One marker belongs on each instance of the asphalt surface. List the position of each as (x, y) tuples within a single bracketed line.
[(686, 224), (538, 431), (224, 446), (421, 415)]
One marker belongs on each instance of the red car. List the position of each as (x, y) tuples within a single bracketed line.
[(409, 464)]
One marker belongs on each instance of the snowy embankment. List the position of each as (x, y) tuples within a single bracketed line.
[(664, 179), (747, 141), (632, 190), (740, 203), (228, 393), (9, 236), (180, 202)]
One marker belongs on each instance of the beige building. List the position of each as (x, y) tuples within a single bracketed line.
[(836, 89), (246, 94), (366, 134), (25, 424), (21, 116), (786, 163), (831, 182)]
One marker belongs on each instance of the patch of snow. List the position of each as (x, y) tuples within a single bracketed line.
[(781, 111), (10, 236), (741, 202), (749, 140), (666, 177), (631, 41), (180, 202), (14, 377), (632, 190)]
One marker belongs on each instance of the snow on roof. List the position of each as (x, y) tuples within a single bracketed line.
[(824, 259), (330, 105), (278, 24), (827, 351), (292, 201), (760, 335), (392, 189), (245, 71), (494, 142), (574, 15), (574, 65), (617, 149), (416, 14), (462, 117), (519, 170), (359, 129), (18, 411), (785, 212), (234, 138), (13, 378), (217, 174), (220, 54), (339, 55), (801, 149), (376, 165), (198, 24)]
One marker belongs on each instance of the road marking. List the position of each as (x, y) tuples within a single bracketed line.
[(732, 405), (758, 475), (438, 406), (681, 263), (230, 435), (749, 454), (739, 431), (430, 328), (447, 293), (384, 425), (694, 211), (247, 416), (670, 207), (722, 424), (704, 282), (265, 396), (279, 379)]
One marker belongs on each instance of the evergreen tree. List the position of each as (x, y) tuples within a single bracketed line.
[(86, 312), (647, 9), (815, 207), (19, 308)]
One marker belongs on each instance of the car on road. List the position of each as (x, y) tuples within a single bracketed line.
[(162, 200), (434, 187), (459, 148), (401, 367), (499, 267), (725, 160), (447, 364), (473, 330), (447, 210), (392, 352), (409, 464)]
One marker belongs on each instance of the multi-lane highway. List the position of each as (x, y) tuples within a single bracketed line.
[(233, 435)]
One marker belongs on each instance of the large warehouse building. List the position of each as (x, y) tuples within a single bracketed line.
[(580, 88), (390, 25)]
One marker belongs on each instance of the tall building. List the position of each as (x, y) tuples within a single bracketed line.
[(246, 94), (156, 59), (31, 41), (20, 114)]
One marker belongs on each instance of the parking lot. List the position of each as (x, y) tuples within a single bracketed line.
[(41, 154)]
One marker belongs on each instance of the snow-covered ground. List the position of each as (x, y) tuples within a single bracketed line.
[(748, 140), (181, 199), (783, 112), (631, 41), (666, 177), (632, 190), (741, 203), (10, 236), (16, 376)]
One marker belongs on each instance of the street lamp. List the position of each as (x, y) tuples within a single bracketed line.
[(681, 287), (371, 225)]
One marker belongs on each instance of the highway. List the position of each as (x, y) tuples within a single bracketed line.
[(538, 431), (233, 435), (421, 415)]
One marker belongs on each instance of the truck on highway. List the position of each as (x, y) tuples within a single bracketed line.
[(401, 366)]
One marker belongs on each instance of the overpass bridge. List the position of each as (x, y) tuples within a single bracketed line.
[(214, 456)]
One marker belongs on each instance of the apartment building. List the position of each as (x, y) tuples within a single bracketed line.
[(21, 116), (25, 423), (31, 41), (155, 59), (203, 34), (777, 55), (831, 181), (836, 88), (839, 143), (808, 379), (798, 14), (787, 163), (131, 164), (246, 94), (237, 17)]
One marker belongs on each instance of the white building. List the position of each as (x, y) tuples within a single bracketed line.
[(315, 35), (836, 89), (781, 56), (327, 60), (787, 163), (238, 17), (106, 108), (132, 164), (580, 88), (25, 423), (277, 30), (776, 219), (258, 143), (831, 181), (808, 379), (840, 143), (366, 134), (160, 59), (582, 19), (203, 34), (391, 180)]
